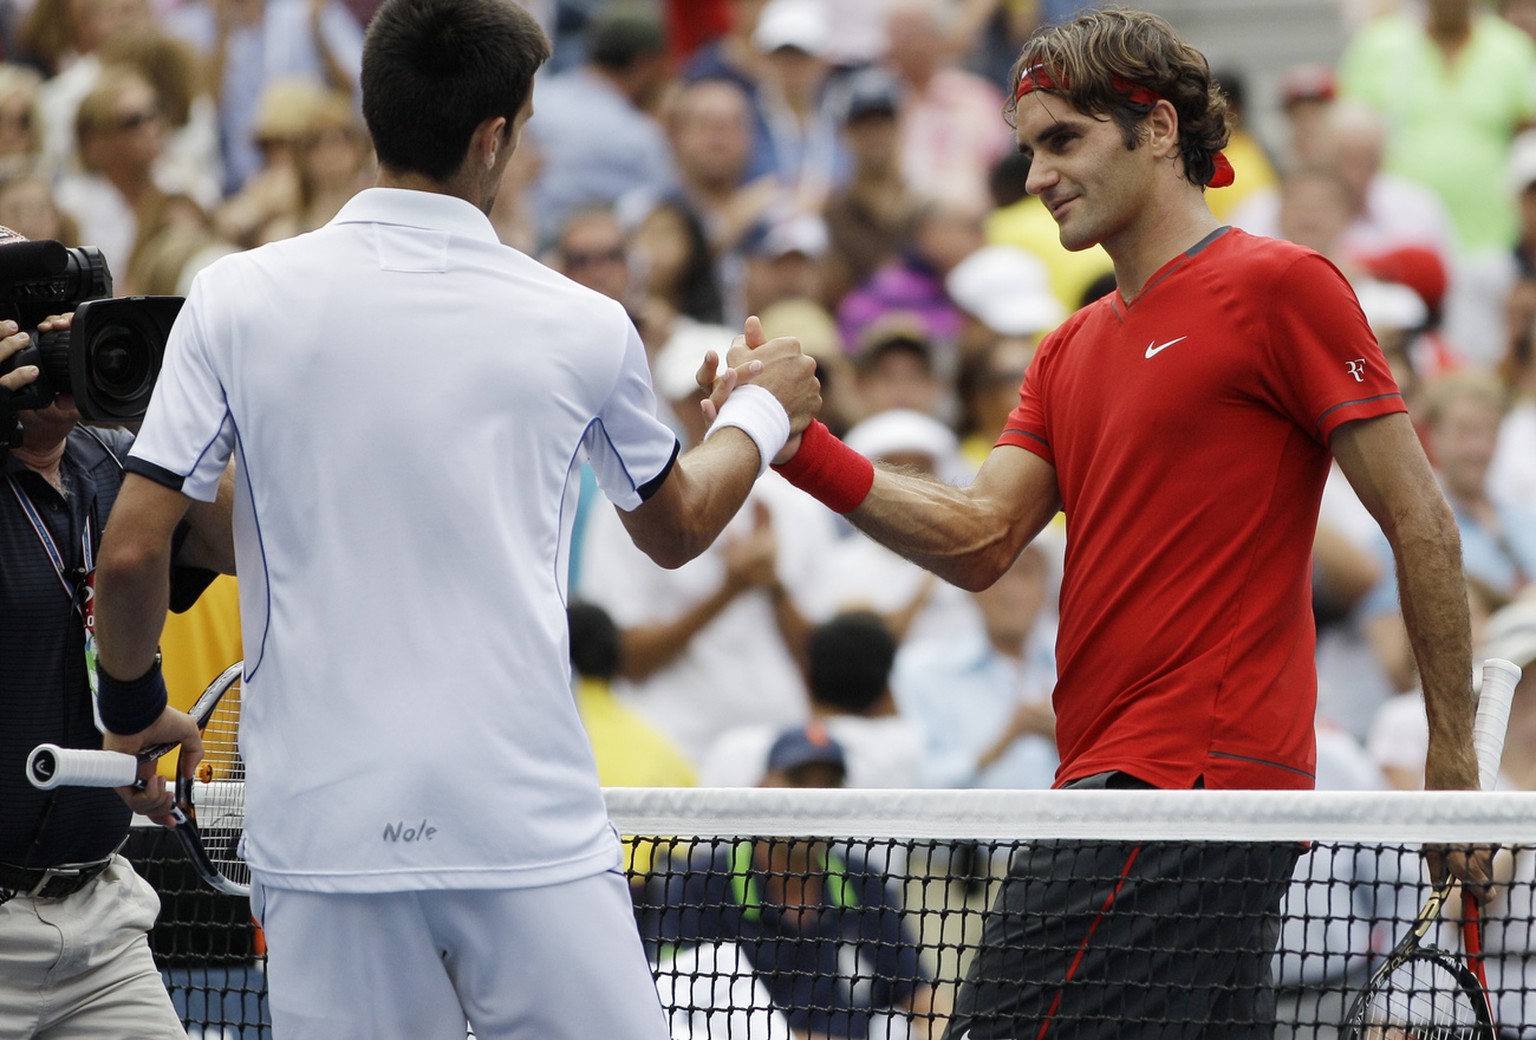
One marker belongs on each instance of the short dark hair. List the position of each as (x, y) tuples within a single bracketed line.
[(1102, 285), (621, 35), (433, 70), (851, 656), (595, 641), (1009, 179), (1090, 57), (1234, 88)]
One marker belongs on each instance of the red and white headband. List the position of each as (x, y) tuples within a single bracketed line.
[(1037, 77)]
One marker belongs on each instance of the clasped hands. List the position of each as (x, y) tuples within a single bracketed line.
[(778, 365)]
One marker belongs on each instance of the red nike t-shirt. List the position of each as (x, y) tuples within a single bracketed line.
[(1189, 435)]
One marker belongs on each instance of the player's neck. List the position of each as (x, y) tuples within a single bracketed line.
[(1166, 231), (458, 186), (883, 706), (1450, 32), (1009, 645)]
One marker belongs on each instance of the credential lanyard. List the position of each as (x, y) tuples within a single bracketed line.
[(82, 596)]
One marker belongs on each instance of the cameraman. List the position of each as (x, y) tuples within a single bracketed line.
[(74, 917)]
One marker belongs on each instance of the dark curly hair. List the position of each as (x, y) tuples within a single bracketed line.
[(1092, 59)]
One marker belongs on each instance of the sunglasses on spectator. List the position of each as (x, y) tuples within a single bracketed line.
[(607, 256), (129, 121)]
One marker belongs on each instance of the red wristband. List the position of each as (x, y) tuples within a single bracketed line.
[(828, 470)]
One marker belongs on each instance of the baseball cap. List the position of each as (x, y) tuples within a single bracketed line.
[(870, 91), (618, 35), (906, 330), (1390, 305), (1007, 289), (803, 233), (1510, 633), (806, 745), (284, 109), (1418, 267), (1307, 83), (809, 322), (678, 361), (798, 24), (1522, 163), (903, 431)]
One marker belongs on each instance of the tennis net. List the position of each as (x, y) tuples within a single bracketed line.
[(787, 914)]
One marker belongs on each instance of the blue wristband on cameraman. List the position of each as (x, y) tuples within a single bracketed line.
[(128, 707)]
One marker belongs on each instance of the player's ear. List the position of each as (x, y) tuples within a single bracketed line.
[(489, 138), (1160, 129)]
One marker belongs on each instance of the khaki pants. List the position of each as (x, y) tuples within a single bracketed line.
[(79, 968)]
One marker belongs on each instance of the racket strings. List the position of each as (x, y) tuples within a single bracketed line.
[(1422, 999), (220, 793), (221, 753)]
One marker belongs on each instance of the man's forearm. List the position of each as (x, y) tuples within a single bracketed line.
[(133, 589), (967, 536), (1385, 464), (1433, 597), (705, 489), (649, 648)]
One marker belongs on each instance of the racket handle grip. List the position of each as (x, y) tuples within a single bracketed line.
[(50, 766), (1500, 677)]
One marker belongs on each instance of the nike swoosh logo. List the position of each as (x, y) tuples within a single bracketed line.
[(1153, 351)]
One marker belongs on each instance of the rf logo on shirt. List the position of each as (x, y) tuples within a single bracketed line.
[(1356, 369)]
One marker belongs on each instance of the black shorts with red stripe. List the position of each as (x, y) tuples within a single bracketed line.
[(1163, 940)]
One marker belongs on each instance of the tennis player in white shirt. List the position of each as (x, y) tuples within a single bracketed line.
[(408, 401)]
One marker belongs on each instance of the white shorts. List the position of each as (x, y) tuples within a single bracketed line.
[(559, 962)]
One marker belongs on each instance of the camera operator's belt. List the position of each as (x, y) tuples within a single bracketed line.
[(49, 882)]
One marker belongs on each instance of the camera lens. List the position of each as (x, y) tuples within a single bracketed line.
[(115, 349), (120, 362)]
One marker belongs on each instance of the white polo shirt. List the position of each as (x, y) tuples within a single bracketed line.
[(409, 400)]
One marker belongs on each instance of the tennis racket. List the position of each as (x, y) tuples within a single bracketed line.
[(1422, 992), (209, 825)]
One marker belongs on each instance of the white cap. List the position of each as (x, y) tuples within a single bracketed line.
[(801, 24), (1521, 168), (1510, 633), (801, 233), (675, 366), (903, 431), (1007, 289), (1390, 305)]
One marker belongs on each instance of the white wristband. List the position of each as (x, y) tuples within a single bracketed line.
[(754, 410)]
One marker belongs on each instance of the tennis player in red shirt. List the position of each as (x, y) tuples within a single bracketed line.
[(1185, 425)]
